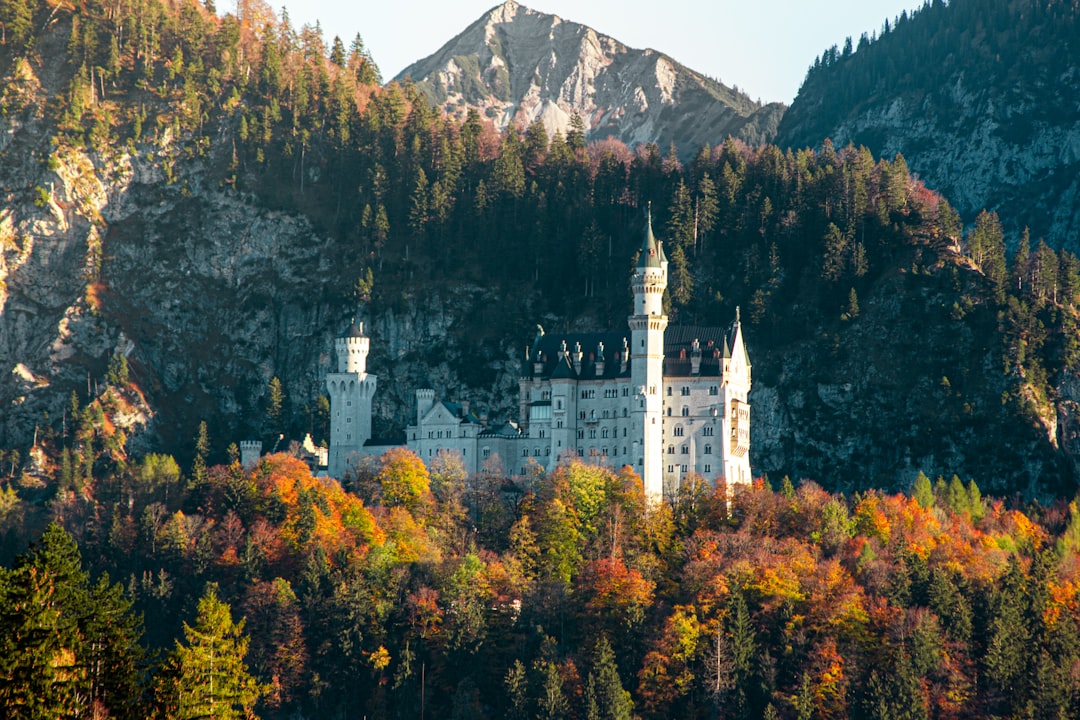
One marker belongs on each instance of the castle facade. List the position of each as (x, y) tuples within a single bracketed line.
[(669, 401)]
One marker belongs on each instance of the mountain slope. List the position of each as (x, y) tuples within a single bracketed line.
[(517, 65), (980, 97)]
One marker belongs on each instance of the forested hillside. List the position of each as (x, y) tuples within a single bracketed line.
[(410, 592), (206, 202), (979, 96)]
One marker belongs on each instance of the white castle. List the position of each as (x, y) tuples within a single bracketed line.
[(667, 401)]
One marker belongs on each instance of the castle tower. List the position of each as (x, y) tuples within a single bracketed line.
[(351, 390), (250, 450), (647, 326)]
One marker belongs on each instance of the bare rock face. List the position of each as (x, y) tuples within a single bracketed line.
[(516, 65)]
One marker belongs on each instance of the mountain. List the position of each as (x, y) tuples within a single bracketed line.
[(516, 65), (979, 97)]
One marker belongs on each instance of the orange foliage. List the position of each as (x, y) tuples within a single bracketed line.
[(614, 587), (1063, 596), (870, 520), (318, 512)]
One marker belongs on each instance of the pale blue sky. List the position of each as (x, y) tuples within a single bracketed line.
[(762, 46)]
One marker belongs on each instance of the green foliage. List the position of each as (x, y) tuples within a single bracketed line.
[(404, 480), (922, 492), (205, 675)]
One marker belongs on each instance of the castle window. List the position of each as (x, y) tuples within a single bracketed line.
[(348, 436), (547, 451), (685, 411), (545, 395), (708, 431), (525, 452), (708, 449), (671, 468), (708, 468), (559, 424), (684, 468), (669, 412), (605, 414), (536, 452), (581, 452), (714, 390), (541, 434), (624, 432), (604, 432), (624, 412), (684, 450), (678, 432), (430, 434), (348, 419), (685, 390), (558, 404), (348, 403), (603, 452), (592, 433), (486, 452), (580, 434), (581, 415), (670, 449), (669, 391), (626, 392)]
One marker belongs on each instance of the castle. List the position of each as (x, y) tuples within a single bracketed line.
[(668, 401)]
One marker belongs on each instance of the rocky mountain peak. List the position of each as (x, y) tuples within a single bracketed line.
[(517, 65)]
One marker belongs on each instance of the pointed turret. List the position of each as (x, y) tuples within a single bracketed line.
[(651, 253)]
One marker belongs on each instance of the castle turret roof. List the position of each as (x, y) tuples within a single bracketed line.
[(651, 254), (354, 331)]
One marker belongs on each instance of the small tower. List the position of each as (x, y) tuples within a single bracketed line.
[(351, 390), (647, 326), (250, 450)]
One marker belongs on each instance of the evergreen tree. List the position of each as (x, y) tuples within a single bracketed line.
[(921, 491), (612, 701), (205, 675)]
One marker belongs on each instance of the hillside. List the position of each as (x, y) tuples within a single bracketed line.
[(978, 96), (516, 65), (213, 218)]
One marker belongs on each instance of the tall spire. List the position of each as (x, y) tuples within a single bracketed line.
[(650, 253)]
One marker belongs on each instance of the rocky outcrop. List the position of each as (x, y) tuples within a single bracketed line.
[(516, 65)]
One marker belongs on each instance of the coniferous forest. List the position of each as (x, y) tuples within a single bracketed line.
[(174, 583)]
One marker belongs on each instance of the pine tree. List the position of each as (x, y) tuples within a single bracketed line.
[(205, 676), (612, 701), (922, 492)]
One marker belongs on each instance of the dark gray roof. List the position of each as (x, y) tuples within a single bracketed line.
[(715, 344), (354, 331), (458, 411), (548, 348), (507, 430), (650, 253)]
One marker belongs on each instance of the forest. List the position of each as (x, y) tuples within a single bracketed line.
[(131, 579), (407, 591)]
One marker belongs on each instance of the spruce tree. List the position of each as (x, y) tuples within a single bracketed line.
[(205, 676)]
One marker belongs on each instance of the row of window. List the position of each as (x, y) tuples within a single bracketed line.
[(685, 390), (604, 433), (682, 468), (685, 450)]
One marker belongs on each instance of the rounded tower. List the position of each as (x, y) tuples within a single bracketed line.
[(351, 390), (647, 326)]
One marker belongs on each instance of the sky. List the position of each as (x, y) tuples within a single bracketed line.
[(762, 46)]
